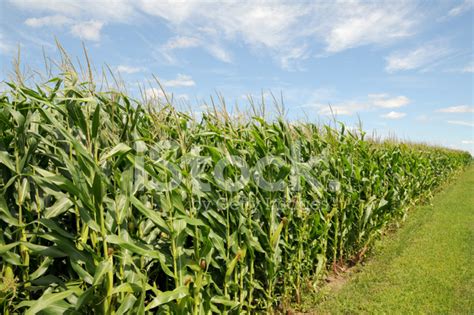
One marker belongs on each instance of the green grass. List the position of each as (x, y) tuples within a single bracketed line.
[(425, 267)]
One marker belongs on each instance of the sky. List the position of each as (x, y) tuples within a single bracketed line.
[(403, 68)]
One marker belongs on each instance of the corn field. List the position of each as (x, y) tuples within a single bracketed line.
[(110, 205)]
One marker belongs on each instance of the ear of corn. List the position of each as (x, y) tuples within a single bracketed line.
[(87, 223)]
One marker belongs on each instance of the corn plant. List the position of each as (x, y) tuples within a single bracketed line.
[(112, 205)]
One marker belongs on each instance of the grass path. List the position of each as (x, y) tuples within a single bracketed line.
[(425, 267)]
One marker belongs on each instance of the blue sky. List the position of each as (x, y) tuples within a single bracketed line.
[(404, 68)]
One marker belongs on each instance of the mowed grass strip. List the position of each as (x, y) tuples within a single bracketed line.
[(425, 267)]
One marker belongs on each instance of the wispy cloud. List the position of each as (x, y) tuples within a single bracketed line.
[(360, 23), (219, 52), (346, 108), (373, 102), (129, 69), (457, 109), (283, 29), (89, 30), (393, 115), (175, 43), (469, 68), (420, 57), (179, 42), (293, 58), (278, 28), (86, 30), (103, 10), (385, 101), (184, 42), (157, 94), (182, 80), (6, 48), (467, 141), (49, 20), (423, 118), (84, 19), (462, 8), (461, 123), (154, 93)]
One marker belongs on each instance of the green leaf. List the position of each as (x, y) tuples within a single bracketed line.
[(97, 189), (104, 267), (151, 214), (276, 235), (53, 226), (23, 191), (231, 266), (6, 247), (119, 149), (85, 298), (126, 288), (60, 206), (95, 122), (83, 274), (5, 160), (168, 296), (5, 214), (48, 251), (126, 304), (42, 268), (141, 249), (224, 301), (47, 300)]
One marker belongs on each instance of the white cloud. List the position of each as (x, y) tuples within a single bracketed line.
[(184, 98), (6, 48), (103, 10), (157, 94), (394, 115), (423, 118), (182, 80), (84, 18), (219, 52), (279, 29), (283, 29), (462, 8), (292, 58), (177, 42), (468, 69), (181, 42), (154, 93), (49, 20), (129, 69), (89, 30), (373, 102), (362, 23), (346, 108), (420, 57), (384, 101), (467, 141), (457, 109), (461, 122), (37, 40), (168, 9), (63, 7)]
